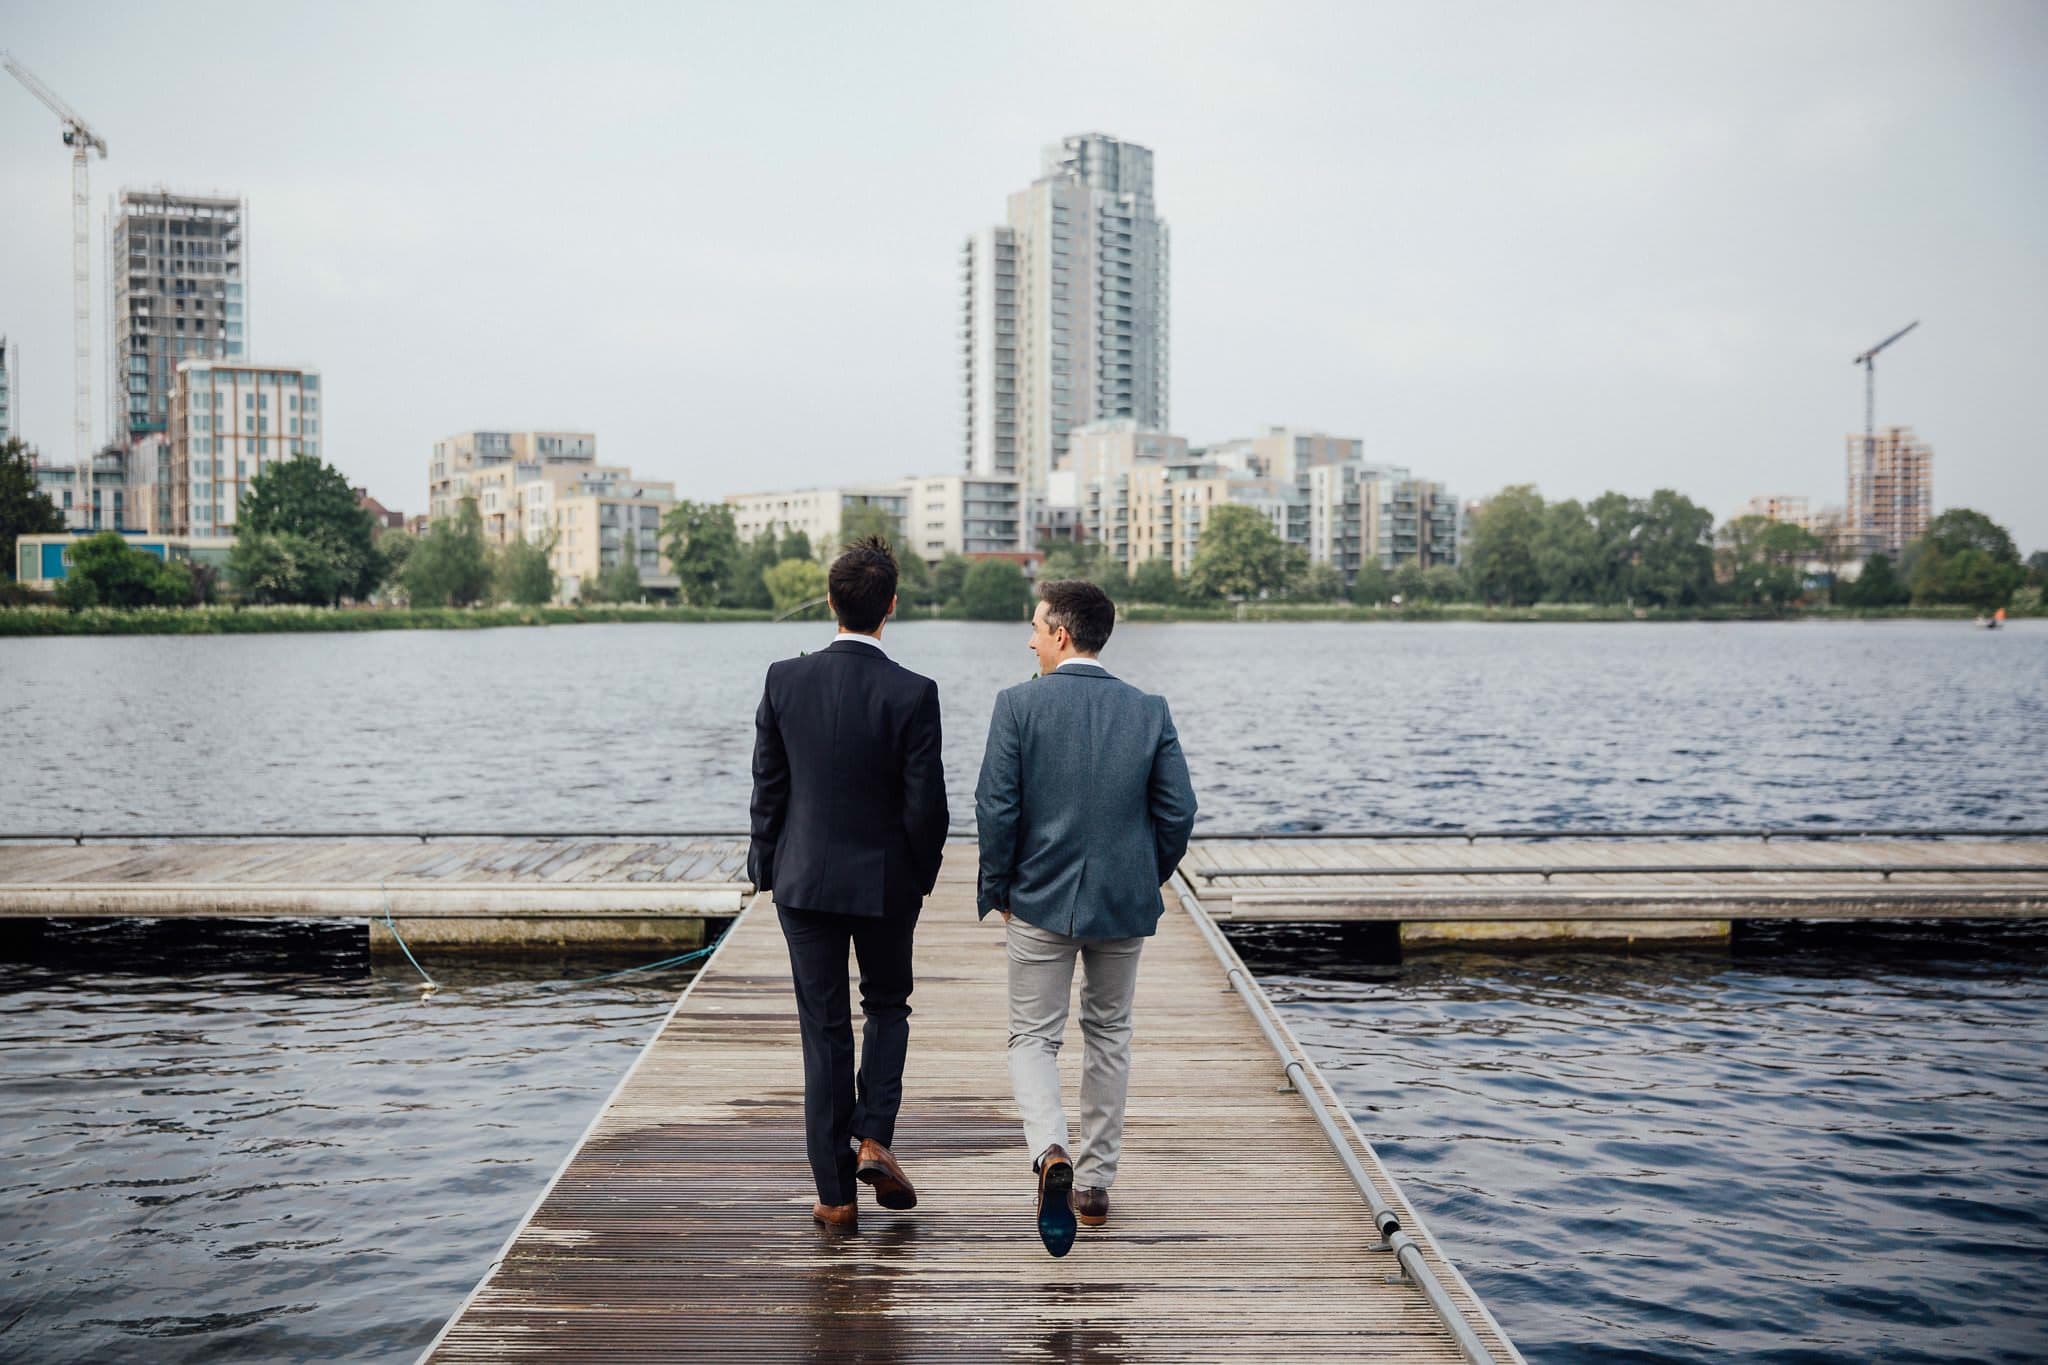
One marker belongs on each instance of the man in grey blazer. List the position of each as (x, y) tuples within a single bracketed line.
[(1084, 809)]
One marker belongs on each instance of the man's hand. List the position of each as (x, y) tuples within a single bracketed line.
[(1005, 914)]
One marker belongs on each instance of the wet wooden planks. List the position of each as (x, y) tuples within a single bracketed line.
[(556, 877), (1796, 879), (680, 1226)]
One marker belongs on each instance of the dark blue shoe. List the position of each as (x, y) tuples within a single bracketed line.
[(1056, 1201)]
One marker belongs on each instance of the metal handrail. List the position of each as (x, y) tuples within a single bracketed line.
[(1765, 833), (424, 836), (1297, 1069), (1885, 870)]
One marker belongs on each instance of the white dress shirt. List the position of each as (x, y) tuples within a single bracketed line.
[(870, 641), (1092, 663)]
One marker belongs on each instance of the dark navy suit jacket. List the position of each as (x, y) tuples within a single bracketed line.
[(849, 809), (1084, 805)]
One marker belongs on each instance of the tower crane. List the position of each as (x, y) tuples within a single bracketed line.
[(80, 138), (1868, 360)]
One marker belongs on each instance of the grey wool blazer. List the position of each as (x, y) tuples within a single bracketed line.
[(1084, 805)]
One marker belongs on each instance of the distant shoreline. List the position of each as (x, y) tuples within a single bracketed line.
[(47, 621)]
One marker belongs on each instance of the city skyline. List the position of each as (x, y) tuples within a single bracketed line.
[(1647, 274)]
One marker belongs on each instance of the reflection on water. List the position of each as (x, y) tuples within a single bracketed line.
[(248, 1142), (1821, 1144)]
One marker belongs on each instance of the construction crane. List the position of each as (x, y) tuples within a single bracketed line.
[(1868, 360), (80, 138)]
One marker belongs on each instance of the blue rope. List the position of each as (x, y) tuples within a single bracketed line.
[(431, 985)]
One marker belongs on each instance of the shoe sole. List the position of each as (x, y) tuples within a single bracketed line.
[(1090, 1221), (1056, 1224), (890, 1192)]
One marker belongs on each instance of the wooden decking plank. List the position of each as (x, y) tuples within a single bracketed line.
[(680, 1226)]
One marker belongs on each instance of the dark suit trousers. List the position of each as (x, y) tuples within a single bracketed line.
[(838, 1103)]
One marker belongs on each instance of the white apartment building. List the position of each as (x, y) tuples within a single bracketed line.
[(229, 418), (178, 288), (964, 514), (1064, 311), (817, 512)]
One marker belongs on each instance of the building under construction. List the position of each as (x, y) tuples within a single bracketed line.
[(176, 285), (1891, 490)]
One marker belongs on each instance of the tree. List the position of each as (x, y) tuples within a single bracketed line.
[(794, 582), (1616, 518), (867, 519), (1568, 553), (995, 590), (1674, 550), (2037, 568), (286, 567), (1964, 557), (621, 582), (25, 510), (308, 498), (950, 578), (797, 545), (1155, 581), (1504, 537), (914, 580), (1877, 586), (1409, 582), (521, 573), (1764, 561), (448, 567), (106, 571), (1371, 585), (1317, 582), (1443, 583), (703, 545), (749, 587), (1239, 555), (1089, 560)]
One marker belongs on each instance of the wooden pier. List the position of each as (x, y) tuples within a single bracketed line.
[(680, 1226)]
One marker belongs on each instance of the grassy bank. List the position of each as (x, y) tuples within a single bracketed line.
[(284, 620)]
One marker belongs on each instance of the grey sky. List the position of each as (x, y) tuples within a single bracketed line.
[(1581, 245)]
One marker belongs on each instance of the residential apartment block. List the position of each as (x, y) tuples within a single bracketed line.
[(817, 512), (1891, 491), (130, 489), (228, 419), (178, 289), (1064, 311), (547, 488), (455, 461), (1788, 507), (1144, 495)]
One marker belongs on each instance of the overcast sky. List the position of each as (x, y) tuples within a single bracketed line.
[(1587, 246)]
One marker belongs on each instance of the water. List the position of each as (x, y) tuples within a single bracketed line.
[(1801, 1149)]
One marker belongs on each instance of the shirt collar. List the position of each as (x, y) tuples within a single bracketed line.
[(870, 641), (1085, 663)]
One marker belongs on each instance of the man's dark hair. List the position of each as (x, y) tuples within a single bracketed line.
[(1083, 608), (862, 582)]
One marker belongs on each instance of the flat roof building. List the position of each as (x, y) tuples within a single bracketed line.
[(178, 286)]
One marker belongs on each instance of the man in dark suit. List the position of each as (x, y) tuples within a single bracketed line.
[(1084, 808), (849, 825)]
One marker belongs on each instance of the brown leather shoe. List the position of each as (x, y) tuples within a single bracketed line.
[(1056, 1200), (1091, 1206), (838, 1217), (876, 1166)]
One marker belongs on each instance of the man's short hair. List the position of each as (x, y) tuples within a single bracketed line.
[(863, 583), (1083, 608)]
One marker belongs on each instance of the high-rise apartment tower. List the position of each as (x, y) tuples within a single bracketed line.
[(176, 290), (1064, 310)]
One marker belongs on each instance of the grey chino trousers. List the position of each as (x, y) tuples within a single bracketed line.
[(1041, 983)]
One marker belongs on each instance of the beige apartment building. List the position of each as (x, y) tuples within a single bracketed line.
[(817, 512), (228, 419), (596, 524), (1891, 491), (456, 460), (1785, 507)]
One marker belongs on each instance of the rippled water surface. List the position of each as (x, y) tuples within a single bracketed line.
[(253, 1143)]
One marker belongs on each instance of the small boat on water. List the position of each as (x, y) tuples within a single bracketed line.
[(1993, 621)]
